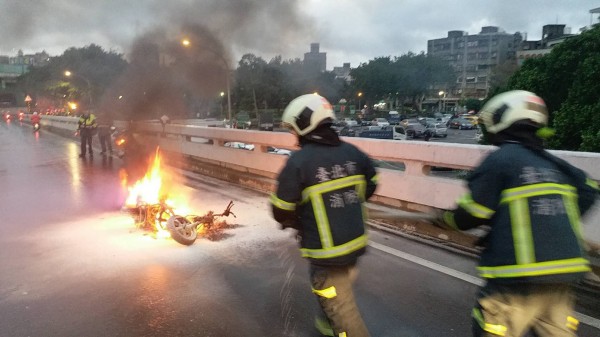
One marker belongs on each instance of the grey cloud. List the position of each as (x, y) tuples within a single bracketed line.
[(349, 31)]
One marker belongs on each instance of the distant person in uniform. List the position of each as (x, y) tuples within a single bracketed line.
[(86, 129)]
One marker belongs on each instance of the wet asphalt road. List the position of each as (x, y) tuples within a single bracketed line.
[(73, 264)]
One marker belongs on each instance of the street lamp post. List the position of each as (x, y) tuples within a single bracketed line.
[(359, 96), (222, 94), (187, 43), (442, 103), (69, 74)]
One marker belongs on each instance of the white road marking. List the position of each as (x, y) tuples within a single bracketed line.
[(585, 319), (431, 265)]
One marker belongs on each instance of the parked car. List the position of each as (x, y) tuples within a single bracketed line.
[(242, 121), (461, 124), (347, 131), (276, 150), (474, 119), (239, 145), (428, 120), (399, 133), (414, 128), (350, 122), (437, 129), (394, 117), (380, 122), (408, 121), (365, 122)]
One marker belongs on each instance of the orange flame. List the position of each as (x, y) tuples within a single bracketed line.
[(149, 190)]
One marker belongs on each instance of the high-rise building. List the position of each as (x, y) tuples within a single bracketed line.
[(473, 58), (315, 60)]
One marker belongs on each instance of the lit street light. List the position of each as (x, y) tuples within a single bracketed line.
[(222, 94), (442, 103), (359, 96), (72, 107), (69, 74), (187, 43)]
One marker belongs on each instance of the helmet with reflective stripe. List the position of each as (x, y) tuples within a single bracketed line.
[(305, 113), (505, 109)]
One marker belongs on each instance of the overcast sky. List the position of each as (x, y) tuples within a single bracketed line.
[(348, 30)]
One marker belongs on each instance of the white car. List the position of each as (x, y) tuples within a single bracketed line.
[(380, 122), (239, 145), (399, 133), (276, 150)]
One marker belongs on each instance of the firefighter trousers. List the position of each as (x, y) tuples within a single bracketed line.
[(544, 309), (333, 287)]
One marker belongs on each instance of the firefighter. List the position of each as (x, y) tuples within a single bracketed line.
[(86, 129), (320, 194), (532, 202)]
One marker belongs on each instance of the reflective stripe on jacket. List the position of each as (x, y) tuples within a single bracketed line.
[(533, 204), (89, 122), (322, 189)]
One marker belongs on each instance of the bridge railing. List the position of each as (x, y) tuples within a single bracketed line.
[(411, 178)]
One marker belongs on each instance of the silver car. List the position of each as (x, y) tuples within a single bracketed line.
[(437, 130), (380, 122)]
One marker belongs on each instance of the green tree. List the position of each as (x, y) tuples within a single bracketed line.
[(250, 85), (93, 71), (567, 79), (272, 85), (375, 79), (409, 77), (416, 74), (472, 104), (502, 73)]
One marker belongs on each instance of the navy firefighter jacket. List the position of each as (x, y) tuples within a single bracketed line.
[(320, 193), (532, 202)]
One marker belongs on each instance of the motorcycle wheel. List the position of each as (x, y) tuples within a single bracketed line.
[(180, 230)]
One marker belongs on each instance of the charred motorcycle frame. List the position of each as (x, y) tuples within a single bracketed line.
[(183, 229)]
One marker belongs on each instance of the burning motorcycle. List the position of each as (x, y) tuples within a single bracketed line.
[(148, 200), (183, 229)]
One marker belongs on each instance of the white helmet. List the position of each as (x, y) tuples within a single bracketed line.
[(503, 110), (306, 112), (35, 113)]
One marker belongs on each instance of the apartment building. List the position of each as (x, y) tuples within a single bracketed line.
[(473, 58), (315, 61), (551, 36)]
